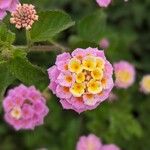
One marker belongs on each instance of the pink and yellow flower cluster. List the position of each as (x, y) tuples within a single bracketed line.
[(81, 80), (145, 84), (24, 107), (92, 142), (124, 73)]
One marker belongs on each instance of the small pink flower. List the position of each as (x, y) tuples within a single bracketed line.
[(103, 3), (90, 142), (24, 107), (24, 16), (145, 84), (82, 79), (110, 147), (7, 5), (124, 73), (104, 43)]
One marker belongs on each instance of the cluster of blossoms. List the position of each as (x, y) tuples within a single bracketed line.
[(81, 80), (91, 142), (104, 43), (105, 3), (24, 16), (124, 73), (7, 5), (145, 84), (24, 107)]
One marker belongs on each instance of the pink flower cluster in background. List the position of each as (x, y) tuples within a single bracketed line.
[(92, 142), (104, 43), (145, 84), (24, 107), (103, 3), (7, 5), (24, 16), (81, 80), (124, 73)]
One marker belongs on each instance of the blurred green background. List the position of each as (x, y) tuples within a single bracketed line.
[(125, 121)]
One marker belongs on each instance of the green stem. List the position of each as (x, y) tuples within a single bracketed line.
[(28, 38), (63, 49)]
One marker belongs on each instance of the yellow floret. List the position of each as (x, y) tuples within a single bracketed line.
[(94, 86), (16, 113), (123, 76), (77, 89), (80, 77), (89, 63), (100, 63), (97, 74), (75, 65)]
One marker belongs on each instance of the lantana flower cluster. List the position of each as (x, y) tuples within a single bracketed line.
[(24, 107), (24, 16), (145, 84), (125, 74), (7, 5), (92, 142), (81, 80)]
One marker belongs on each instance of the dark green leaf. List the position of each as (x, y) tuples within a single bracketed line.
[(28, 73), (91, 27)]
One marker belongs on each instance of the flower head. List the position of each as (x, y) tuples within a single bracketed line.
[(124, 73), (92, 142), (7, 5), (145, 84), (81, 80), (24, 16), (24, 107), (103, 3), (104, 43)]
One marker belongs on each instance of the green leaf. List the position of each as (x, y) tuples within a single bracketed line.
[(50, 23), (5, 78), (28, 73), (91, 27), (6, 35)]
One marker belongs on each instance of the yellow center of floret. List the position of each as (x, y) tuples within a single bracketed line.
[(88, 75), (146, 83), (100, 63), (77, 89), (89, 63), (80, 77), (123, 76), (94, 86), (75, 65), (97, 74), (16, 112)]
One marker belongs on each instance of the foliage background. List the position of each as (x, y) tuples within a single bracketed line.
[(124, 122)]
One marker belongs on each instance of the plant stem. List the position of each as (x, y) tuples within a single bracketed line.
[(62, 48), (28, 38)]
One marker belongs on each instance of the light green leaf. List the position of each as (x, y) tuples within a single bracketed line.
[(49, 24), (91, 27), (5, 78), (6, 35), (28, 73)]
